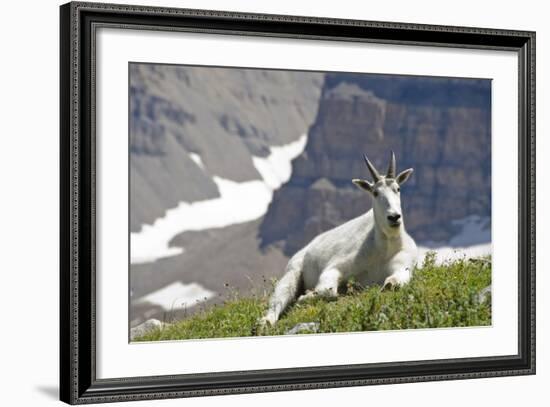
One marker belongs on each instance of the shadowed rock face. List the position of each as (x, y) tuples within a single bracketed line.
[(440, 127), (222, 115)]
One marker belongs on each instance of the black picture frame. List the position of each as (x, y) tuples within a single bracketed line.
[(78, 382)]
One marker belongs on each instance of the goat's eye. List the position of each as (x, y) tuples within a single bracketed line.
[(398, 189), (375, 193)]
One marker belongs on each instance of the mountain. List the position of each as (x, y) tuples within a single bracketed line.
[(439, 126), (189, 124)]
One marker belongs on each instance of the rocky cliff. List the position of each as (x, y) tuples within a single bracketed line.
[(439, 126), (188, 124)]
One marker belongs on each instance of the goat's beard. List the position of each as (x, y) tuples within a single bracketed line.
[(392, 231)]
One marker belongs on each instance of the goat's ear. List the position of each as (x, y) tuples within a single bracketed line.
[(361, 183), (403, 176)]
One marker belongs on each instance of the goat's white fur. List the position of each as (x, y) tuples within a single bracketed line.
[(371, 249)]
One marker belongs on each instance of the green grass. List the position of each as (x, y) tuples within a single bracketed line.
[(437, 296)]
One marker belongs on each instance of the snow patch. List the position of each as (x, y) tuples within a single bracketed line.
[(474, 240), (197, 159), (239, 202), (448, 254), (276, 168), (178, 296)]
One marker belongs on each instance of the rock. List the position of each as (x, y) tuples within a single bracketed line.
[(441, 127), (484, 294), (304, 327), (146, 327)]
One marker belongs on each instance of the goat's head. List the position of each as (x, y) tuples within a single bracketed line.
[(385, 192)]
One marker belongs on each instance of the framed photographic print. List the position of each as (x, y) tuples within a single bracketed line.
[(256, 203)]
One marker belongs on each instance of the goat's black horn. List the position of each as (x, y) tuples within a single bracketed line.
[(391, 167), (371, 168)]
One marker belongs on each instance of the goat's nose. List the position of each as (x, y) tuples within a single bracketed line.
[(394, 218)]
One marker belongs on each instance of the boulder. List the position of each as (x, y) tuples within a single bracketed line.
[(146, 327), (304, 328)]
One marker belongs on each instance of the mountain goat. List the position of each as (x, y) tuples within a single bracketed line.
[(373, 248)]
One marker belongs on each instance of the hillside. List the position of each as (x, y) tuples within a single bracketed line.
[(450, 295)]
